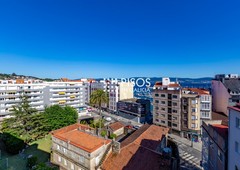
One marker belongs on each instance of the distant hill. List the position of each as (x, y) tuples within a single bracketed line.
[(13, 76)]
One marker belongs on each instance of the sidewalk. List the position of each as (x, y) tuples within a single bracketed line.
[(178, 139)]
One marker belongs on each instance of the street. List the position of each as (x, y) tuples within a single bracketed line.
[(118, 118), (190, 156)]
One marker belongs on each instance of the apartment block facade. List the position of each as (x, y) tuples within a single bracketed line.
[(167, 104), (76, 147), (116, 90), (225, 92), (234, 137), (40, 94), (181, 109)]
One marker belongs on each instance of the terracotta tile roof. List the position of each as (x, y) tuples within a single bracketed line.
[(75, 135), (222, 130), (197, 90), (138, 151), (136, 157), (116, 125)]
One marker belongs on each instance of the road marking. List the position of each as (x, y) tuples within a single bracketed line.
[(186, 156), (189, 158)]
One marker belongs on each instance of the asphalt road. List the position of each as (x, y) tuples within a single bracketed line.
[(118, 118)]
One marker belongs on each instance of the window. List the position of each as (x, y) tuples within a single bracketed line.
[(194, 125), (163, 109), (163, 95), (174, 118), (163, 102), (59, 158), (220, 155), (194, 117), (157, 108), (64, 150), (65, 161), (194, 110), (72, 166), (174, 125), (162, 121), (174, 96), (237, 147), (81, 159), (157, 120), (237, 122), (58, 147), (174, 111), (156, 101), (174, 104), (156, 95), (205, 114)]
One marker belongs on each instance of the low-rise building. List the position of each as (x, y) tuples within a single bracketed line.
[(76, 147), (137, 110), (214, 145), (141, 150), (116, 128), (234, 138)]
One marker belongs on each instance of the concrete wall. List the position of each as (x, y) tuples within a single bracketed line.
[(233, 136), (220, 97)]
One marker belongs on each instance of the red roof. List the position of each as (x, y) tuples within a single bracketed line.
[(222, 130), (116, 125), (78, 136), (197, 90), (138, 151)]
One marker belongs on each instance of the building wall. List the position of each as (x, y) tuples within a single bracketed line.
[(119, 131), (72, 155), (234, 136), (212, 146), (220, 97), (167, 109), (41, 94)]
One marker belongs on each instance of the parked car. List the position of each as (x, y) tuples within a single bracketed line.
[(129, 127), (136, 127), (108, 118)]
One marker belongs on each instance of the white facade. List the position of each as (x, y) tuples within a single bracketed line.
[(116, 90), (41, 94), (234, 138)]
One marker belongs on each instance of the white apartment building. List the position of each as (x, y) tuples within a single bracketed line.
[(40, 94), (234, 138), (117, 91)]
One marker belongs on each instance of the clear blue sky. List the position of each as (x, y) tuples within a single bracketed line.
[(119, 38)]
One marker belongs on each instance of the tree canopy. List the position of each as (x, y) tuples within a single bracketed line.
[(29, 125)]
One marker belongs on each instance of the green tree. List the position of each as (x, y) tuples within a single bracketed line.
[(113, 136), (57, 117), (99, 97), (19, 125), (103, 133)]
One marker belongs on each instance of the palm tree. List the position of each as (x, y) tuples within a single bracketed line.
[(99, 97)]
